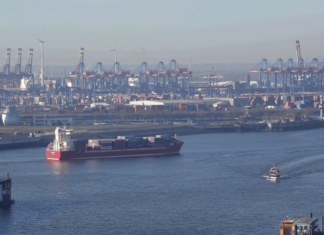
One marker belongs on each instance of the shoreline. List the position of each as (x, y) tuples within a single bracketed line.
[(164, 130)]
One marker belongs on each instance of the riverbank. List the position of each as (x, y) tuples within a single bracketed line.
[(112, 131)]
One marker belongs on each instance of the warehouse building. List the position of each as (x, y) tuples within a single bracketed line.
[(208, 102), (187, 105)]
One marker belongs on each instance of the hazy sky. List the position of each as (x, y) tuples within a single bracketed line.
[(231, 31)]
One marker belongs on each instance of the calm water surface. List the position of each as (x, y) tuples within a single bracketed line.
[(214, 187)]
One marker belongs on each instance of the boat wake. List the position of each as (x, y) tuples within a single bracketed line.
[(274, 179)]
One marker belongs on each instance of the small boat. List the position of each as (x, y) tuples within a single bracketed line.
[(274, 172), (5, 192)]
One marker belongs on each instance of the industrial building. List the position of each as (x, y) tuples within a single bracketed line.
[(164, 86), (52, 121), (192, 104)]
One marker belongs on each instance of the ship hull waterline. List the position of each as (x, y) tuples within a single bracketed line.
[(116, 153)]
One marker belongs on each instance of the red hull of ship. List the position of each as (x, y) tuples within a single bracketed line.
[(148, 151), (275, 175)]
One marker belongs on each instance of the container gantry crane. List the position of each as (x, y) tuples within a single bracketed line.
[(5, 74), (28, 73)]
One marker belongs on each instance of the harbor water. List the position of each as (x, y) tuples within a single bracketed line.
[(214, 187)]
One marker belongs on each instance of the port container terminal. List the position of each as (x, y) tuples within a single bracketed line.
[(171, 87)]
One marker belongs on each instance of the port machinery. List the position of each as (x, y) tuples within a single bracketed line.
[(170, 77), (85, 81), (101, 79), (292, 76), (12, 79)]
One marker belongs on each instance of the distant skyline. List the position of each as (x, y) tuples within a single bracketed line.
[(232, 31)]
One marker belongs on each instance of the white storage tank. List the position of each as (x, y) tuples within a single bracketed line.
[(10, 116)]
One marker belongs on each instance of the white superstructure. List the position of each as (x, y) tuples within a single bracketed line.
[(62, 139)]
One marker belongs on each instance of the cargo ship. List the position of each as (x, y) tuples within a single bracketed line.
[(27, 142), (286, 125), (63, 148)]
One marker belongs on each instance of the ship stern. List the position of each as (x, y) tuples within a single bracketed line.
[(53, 155)]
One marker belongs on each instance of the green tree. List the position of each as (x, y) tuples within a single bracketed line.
[(234, 112), (165, 113), (293, 114), (145, 113), (95, 115), (200, 113), (122, 114), (179, 113), (256, 112), (266, 116), (307, 112), (240, 118)]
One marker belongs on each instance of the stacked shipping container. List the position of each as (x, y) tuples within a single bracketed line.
[(29, 109), (79, 109), (119, 144), (156, 141), (156, 108), (70, 109), (123, 142), (139, 108), (54, 110), (183, 107), (79, 145)]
